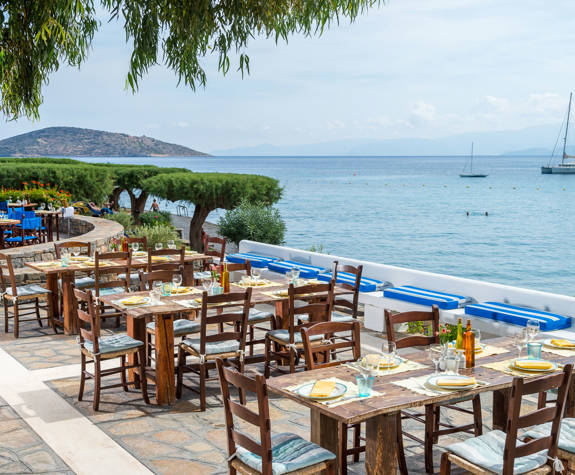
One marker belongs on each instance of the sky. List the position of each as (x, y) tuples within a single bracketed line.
[(410, 68)]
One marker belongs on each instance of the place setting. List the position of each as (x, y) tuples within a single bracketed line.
[(386, 363), (254, 280)]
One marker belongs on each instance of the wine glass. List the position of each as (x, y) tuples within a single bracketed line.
[(158, 246), (520, 341), (435, 351), (207, 283), (171, 244), (50, 207), (135, 247), (389, 350), (256, 274), (532, 329), (176, 282), (42, 206), (76, 251)]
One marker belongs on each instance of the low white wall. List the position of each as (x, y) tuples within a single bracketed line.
[(479, 290)]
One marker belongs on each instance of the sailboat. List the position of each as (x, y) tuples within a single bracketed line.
[(470, 174), (565, 167)]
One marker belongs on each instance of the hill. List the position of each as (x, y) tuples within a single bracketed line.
[(76, 142)]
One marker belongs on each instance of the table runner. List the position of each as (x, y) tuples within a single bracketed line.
[(490, 351), (350, 395), (404, 367), (558, 352), (504, 367), (417, 385), (267, 283)]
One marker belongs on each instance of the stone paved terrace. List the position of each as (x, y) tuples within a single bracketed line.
[(53, 432)]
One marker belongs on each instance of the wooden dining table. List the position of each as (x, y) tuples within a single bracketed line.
[(163, 315), (67, 276), (52, 222), (379, 413)]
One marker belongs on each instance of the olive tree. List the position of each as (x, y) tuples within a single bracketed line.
[(37, 37), (210, 191)]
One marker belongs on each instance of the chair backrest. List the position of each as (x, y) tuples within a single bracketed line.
[(7, 277), (214, 246), (338, 337), (106, 277), (176, 256), (29, 214), (88, 318), (31, 224), (261, 418), (143, 241), (553, 414), (345, 303), (84, 247), (318, 309), (406, 317), (148, 278), (245, 267), (4, 206), (238, 320)]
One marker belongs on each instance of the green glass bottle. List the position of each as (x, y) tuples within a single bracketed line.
[(459, 340)]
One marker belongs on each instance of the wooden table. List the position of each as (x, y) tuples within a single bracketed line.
[(6, 223), (27, 205), (163, 316), (379, 413), (52, 222), (66, 274)]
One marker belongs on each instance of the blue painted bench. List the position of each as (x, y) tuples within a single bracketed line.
[(255, 259), (306, 271), (365, 284), (418, 295), (515, 315)]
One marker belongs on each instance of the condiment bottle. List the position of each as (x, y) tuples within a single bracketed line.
[(469, 345), (459, 340), (226, 279)]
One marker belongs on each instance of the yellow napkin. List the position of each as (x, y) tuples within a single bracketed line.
[(282, 293), (455, 381), (80, 258), (322, 388), (562, 343), (533, 364), (134, 300), (159, 258), (181, 290)]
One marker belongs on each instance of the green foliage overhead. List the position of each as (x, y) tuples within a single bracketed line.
[(36, 37), (253, 221)]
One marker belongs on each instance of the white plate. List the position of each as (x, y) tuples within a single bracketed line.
[(553, 368), (305, 391), (551, 345), (432, 381)]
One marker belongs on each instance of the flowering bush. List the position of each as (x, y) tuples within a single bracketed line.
[(155, 218), (36, 192), (447, 333)]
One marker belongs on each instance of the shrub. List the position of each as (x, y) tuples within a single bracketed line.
[(253, 221), (154, 234), (153, 218), (125, 219), (36, 193)]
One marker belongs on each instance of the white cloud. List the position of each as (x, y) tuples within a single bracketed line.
[(497, 104), (423, 111), (182, 124), (335, 124), (547, 102)]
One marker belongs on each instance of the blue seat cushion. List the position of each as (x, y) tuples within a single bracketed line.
[(518, 315), (213, 347), (487, 451), (283, 335), (256, 315), (335, 317), (255, 259), (289, 453), (566, 435), (27, 290), (182, 326), (306, 271), (109, 290), (365, 284), (418, 295), (114, 343)]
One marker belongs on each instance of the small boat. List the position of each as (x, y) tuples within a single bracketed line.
[(470, 174), (566, 167)]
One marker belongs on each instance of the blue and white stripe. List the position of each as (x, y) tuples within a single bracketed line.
[(255, 259), (420, 296), (306, 271), (365, 284)]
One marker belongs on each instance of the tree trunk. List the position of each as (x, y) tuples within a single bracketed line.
[(196, 225), (137, 204), (114, 198)]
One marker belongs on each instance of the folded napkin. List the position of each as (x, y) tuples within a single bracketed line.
[(322, 388), (563, 343), (133, 300), (524, 364), (160, 258), (182, 290), (447, 381), (282, 293)]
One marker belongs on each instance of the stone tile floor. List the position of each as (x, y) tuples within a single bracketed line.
[(21, 450)]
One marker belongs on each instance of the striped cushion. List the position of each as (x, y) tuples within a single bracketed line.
[(487, 451), (112, 344), (306, 271), (365, 284), (566, 435), (421, 296), (289, 453), (255, 259), (182, 326), (518, 315), (213, 348)]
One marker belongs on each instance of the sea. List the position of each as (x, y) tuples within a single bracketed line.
[(514, 227)]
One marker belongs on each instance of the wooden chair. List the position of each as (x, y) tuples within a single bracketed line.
[(166, 259), (337, 337), (95, 349), (227, 344), (461, 454), (142, 241), (23, 300), (243, 449), (345, 310), (287, 343), (432, 416), (85, 249), (111, 280), (215, 247)]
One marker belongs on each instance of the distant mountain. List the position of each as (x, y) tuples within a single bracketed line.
[(75, 142), (529, 141)]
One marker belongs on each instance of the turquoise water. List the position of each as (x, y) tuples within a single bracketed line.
[(412, 212)]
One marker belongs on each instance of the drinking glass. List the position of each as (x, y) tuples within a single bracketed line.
[(207, 283), (520, 340), (158, 246), (435, 351), (65, 258), (50, 207), (256, 273), (295, 273), (534, 350), (135, 246), (532, 329), (389, 350), (167, 289), (76, 251), (156, 295), (171, 244), (42, 206), (176, 281), (364, 384), (477, 334)]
